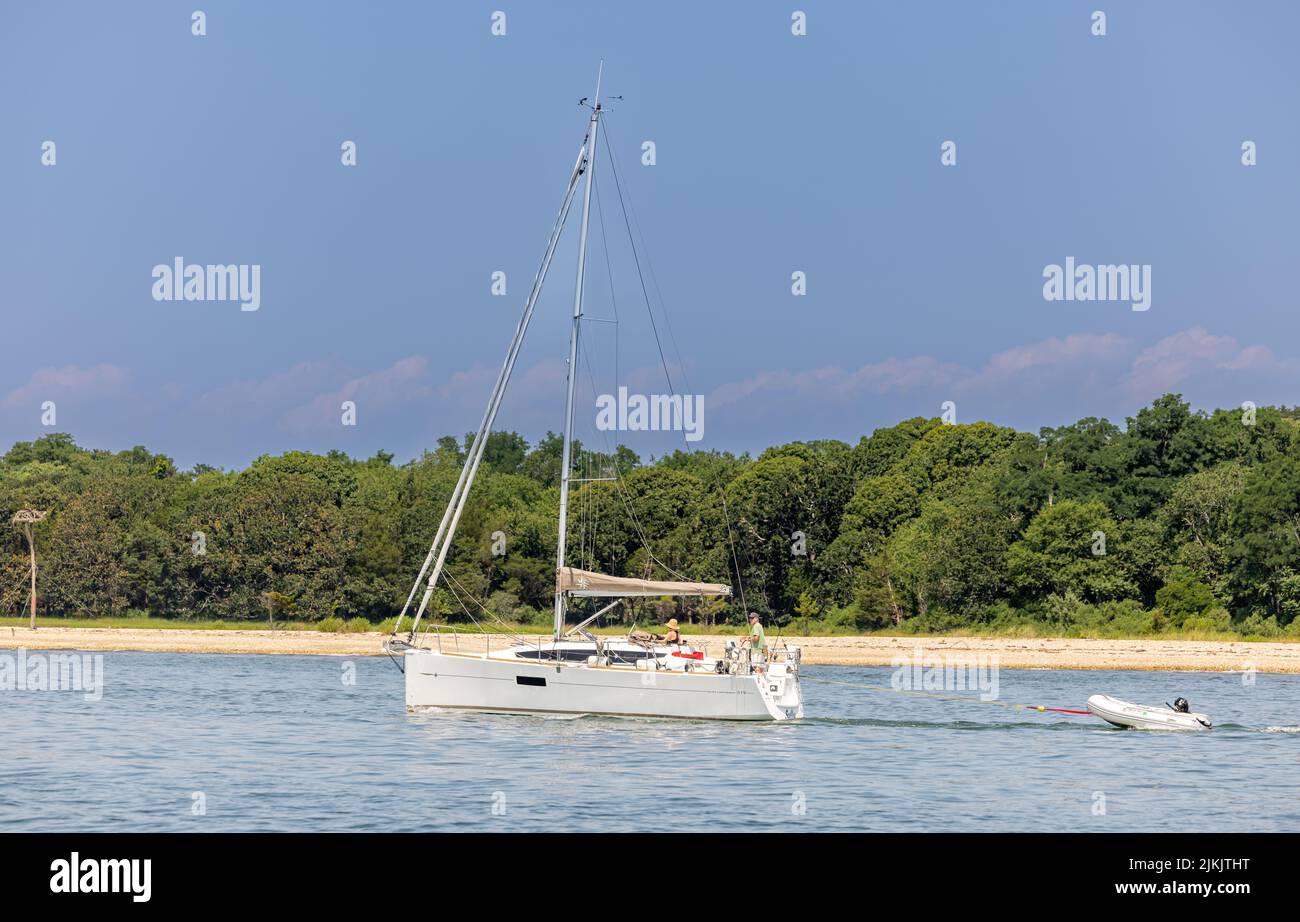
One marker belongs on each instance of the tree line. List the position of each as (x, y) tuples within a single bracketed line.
[(1178, 519)]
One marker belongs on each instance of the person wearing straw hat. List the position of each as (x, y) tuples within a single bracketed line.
[(674, 635)]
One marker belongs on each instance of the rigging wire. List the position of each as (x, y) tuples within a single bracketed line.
[(593, 497), (668, 325), (582, 343), (609, 272), (622, 488), (654, 280), (505, 628), (636, 257), (731, 542)]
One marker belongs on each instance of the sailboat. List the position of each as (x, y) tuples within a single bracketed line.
[(574, 671)]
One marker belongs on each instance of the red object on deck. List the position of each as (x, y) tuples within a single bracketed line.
[(698, 654)]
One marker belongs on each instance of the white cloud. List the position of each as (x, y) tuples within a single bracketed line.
[(1178, 360), (475, 384), (69, 382), (836, 383), (1037, 383), (1046, 382), (294, 384), (380, 390), (1079, 352)]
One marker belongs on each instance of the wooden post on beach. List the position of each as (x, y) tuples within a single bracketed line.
[(27, 518)]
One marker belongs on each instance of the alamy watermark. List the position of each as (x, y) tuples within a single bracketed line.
[(651, 413), (23, 671), (75, 874), (193, 282), (967, 672), (1082, 282)]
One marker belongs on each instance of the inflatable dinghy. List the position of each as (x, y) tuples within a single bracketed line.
[(1141, 717)]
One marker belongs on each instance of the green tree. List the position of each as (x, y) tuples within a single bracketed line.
[(1266, 533), (1070, 547), (1184, 596)]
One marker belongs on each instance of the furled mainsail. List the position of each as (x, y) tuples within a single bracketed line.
[(585, 583)]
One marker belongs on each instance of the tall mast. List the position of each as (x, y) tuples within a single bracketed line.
[(565, 461)]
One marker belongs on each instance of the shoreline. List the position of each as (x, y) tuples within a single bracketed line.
[(874, 650)]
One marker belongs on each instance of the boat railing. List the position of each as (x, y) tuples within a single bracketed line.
[(437, 630), (452, 633), (743, 661), (790, 656)]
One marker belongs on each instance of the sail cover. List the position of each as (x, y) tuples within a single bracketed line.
[(586, 583)]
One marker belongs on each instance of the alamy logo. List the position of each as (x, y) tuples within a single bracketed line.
[(651, 413), (1098, 283), (193, 282), (103, 875), (933, 673), (83, 672)]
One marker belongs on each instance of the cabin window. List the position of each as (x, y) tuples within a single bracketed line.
[(576, 656)]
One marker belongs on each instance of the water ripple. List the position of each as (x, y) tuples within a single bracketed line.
[(279, 743)]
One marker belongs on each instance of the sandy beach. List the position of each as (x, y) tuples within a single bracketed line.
[(1011, 652)]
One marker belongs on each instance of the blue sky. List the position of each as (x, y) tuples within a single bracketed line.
[(775, 153)]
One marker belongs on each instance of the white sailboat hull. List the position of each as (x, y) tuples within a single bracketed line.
[(486, 683)]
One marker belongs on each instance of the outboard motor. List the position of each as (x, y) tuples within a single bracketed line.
[(1182, 706)]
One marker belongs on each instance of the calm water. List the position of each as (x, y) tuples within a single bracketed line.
[(281, 743)]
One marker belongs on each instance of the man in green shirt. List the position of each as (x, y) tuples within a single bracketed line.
[(757, 639)]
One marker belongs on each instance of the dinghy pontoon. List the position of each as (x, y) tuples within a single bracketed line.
[(1141, 717)]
